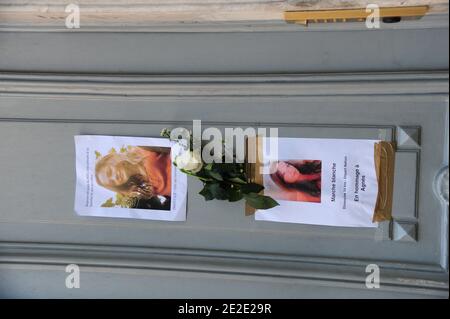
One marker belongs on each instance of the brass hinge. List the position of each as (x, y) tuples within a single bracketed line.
[(345, 15)]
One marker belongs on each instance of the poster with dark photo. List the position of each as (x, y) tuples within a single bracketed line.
[(328, 182), (296, 180)]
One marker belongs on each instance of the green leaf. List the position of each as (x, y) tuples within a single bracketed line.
[(198, 175), (109, 203), (226, 168), (237, 180), (234, 195), (251, 188), (260, 201), (206, 193), (215, 175), (208, 167), (217, 191)]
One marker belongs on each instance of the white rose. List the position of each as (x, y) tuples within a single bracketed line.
[(189, 161)]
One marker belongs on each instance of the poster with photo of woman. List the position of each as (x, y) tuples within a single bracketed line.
[(128, 177)]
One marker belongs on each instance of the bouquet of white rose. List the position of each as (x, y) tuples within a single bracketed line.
[(222, 181)]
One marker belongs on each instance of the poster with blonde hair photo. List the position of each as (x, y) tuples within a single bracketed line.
[(128, 177)]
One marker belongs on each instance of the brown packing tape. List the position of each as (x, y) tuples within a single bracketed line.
[(384, 165), (249, 172), (253, 165)]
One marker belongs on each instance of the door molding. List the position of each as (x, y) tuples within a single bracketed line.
[(282, 85), (426, 280)]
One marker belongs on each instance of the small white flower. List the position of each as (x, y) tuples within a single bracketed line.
[(189, 161)]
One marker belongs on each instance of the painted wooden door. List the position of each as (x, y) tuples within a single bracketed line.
[(57, 85)]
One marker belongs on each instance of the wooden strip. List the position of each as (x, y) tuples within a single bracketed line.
[(310, 15)]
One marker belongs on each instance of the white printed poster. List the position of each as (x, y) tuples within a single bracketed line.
[(329, 182), (128, 177)]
